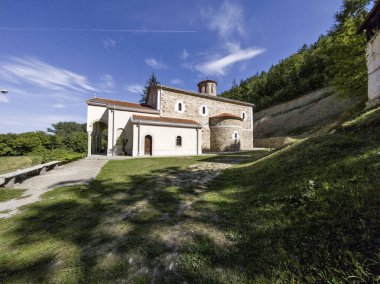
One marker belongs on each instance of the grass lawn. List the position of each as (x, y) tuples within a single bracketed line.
[(10, 164), (8, 194), (308, 213)]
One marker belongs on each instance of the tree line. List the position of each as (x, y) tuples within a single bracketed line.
[(335, 59), (64, 139)]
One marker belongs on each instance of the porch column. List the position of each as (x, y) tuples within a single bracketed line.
[(89, 143), (111, 132)]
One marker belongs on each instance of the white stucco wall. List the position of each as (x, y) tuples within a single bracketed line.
[(95, 114), (115, 119), (373, 64), (164, 140)]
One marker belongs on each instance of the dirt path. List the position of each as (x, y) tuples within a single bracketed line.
[(78, 172), (196, 177)]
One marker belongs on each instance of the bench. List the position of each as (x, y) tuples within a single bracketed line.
[(9, 179)]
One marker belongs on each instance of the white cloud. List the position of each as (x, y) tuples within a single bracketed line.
[(37, 73), (227, 20), (4, 99), (185, 54), (135, 88), (176, 81), (59, 106), (155, 64), (220, 65), (109, 43)]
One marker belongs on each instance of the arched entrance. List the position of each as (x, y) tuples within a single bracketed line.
[(148, 145), (99, 138)]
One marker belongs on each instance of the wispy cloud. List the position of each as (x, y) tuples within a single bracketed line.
[(109, 43), (24, 29), (59, 106), (152, 62), (107, 83), (4, 99), (226, 20), (220, 65), (176, 81), (16, 123), (185, 54), (37, 73), (135, 88)]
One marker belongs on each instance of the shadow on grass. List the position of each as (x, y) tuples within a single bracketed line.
[(294, 216)]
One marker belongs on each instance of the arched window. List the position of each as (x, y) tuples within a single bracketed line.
[(179, 141), (203, 110), (180, 107), (243, 115), (235, 136)]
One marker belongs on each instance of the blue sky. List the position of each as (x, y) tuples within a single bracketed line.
[(56, 54)]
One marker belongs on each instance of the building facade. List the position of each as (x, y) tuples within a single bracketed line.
[(171, 122), (371, 26)]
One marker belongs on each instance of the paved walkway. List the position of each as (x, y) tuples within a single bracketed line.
[(78, 172)]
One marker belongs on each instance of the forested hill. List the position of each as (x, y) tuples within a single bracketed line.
[(337, 59)]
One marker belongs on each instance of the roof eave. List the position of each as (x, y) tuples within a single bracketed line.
[(111, 106), (160, 123), (375, 9)]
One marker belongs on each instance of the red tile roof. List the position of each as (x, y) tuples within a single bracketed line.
[(120, 103), (164, 119), (226, 115)]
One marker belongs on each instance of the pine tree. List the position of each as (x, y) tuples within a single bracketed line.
[(152, 81)]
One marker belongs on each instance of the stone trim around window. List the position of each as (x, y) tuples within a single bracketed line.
[(179, 107)]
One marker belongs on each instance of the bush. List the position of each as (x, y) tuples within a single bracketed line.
[(70, 138), (63, 155)]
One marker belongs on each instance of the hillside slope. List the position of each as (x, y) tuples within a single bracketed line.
[(308, 213), (335, 59)]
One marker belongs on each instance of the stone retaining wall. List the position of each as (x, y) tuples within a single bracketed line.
[(295, 117)]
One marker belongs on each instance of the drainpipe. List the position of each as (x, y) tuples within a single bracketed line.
[(138, 138), (113, 130), (197, 141)]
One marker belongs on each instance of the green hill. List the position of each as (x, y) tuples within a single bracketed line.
[(337, 59), (308, 213)]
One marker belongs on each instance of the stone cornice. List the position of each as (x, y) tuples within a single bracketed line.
[(211, 97)]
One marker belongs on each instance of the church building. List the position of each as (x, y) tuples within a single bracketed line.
[(172, 122)]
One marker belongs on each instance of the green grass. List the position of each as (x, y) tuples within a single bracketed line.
[(309, 213), (9, 164), (13, 163), (8, 194)]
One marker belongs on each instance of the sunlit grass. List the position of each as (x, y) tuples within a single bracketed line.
[(305, 214)]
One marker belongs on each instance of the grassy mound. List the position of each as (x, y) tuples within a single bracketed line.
[(308, 213)]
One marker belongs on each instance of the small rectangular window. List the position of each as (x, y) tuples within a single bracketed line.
[(179, 141)]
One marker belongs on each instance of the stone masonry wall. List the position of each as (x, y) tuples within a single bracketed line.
[(192, 105), (222, 132), (373, 65), (294, 117)]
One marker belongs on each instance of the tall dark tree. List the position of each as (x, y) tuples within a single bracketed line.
[(152, 81)]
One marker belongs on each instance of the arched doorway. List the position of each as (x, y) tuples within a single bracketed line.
[(148, 145), (99, 138)]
